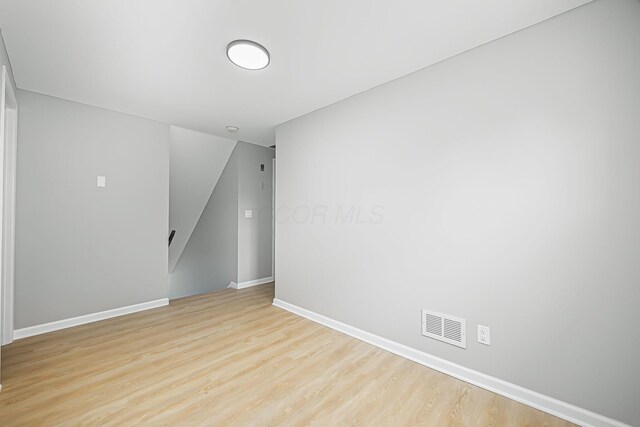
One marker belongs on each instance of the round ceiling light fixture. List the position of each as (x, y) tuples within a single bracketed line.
[(248, 54), (232, 129)]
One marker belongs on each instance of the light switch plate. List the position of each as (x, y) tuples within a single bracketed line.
[(102, 181), (248, 214)]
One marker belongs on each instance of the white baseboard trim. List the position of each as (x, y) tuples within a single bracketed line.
[(87, 318), (528, 397), (250, 283)]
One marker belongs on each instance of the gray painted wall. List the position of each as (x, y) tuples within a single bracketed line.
[(225, 246), (196, 163), (81, 249), (255, 192), (210, 258), (501, 185)]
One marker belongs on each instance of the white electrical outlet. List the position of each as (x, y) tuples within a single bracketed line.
[(484, 335)]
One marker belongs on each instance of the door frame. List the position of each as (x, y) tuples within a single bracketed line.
[(8, 156), (273, 219)]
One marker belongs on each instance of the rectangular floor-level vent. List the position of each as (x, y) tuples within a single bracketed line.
[(443, 327)]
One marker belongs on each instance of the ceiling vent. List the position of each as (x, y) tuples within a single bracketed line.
[(443, 327)]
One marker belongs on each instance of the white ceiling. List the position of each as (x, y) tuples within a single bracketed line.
[(165, 59)]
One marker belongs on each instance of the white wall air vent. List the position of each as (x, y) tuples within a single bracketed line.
[(443, 327)]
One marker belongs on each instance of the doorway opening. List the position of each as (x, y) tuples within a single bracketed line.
[(8, 152)]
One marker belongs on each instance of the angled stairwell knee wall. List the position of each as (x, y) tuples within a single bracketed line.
[(196, 163), (225, 246), (210, 258)]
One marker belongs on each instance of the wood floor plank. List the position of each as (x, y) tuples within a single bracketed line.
[(232, 358)]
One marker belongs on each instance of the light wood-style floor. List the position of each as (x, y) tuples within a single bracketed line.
[(231, 358)]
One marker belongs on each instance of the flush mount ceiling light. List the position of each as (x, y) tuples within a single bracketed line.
[(232, 129), (247, 54)]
